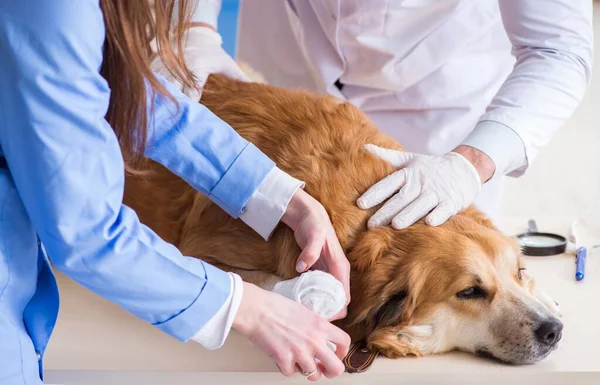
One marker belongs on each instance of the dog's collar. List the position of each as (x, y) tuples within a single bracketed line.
[(359, 358)]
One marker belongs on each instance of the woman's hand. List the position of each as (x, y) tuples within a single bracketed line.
[(293, 336), (315, 235)]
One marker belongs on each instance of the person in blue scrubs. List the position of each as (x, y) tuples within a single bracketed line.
[(61, 190)]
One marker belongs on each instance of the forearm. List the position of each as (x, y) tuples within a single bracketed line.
[(206, 152), (553, 48), (132, 267)]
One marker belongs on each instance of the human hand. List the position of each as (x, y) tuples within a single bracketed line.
[(293, 336), (316, 237), (434, 186)]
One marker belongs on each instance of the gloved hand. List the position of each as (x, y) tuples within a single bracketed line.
[(204, 55), (440, 186)]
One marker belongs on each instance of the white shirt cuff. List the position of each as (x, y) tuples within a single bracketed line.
[(214, 333), (266, 206), (207, 11), (502, 144)]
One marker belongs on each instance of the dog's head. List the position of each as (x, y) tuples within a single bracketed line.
[(463, 285)]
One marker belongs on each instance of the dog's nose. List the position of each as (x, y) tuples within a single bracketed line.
[(549, 332)]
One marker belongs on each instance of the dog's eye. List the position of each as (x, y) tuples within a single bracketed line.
[(474, 292)]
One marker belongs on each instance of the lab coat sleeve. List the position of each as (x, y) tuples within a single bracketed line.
[(68, 169), (553, 47), (207, 153)]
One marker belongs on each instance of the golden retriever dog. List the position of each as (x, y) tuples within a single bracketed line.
[(420, 291)]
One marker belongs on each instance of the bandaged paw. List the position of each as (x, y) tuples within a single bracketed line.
[(316, 290)]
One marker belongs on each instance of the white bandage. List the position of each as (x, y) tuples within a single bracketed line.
[(317, 290)]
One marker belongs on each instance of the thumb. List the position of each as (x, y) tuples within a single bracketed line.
[(398, 159), (309, 255)]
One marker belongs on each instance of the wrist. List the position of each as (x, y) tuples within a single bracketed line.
[(246, 317), (296, 209), (484, 165)]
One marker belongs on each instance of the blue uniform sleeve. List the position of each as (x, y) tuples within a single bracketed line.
[(68, 168), (206, 152)]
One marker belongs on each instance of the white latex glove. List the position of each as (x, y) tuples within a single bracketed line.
[(440, 186), (204, 55)]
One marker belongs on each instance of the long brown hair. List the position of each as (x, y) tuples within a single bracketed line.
[(131, 27)]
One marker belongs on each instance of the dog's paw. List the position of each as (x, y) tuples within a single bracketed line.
[(551, 304), (316, 290)]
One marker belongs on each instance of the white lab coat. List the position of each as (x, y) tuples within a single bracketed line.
[(434, 73)]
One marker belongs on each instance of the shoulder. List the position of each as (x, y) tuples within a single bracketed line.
[(53, 22), (53, 32)]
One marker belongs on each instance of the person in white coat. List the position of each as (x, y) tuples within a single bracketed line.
[(472, 89)]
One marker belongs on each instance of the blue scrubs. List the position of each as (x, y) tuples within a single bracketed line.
[(64, 179)]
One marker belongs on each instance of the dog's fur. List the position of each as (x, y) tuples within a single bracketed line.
[(404, 284)]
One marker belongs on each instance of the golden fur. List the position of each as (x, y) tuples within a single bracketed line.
[(404, 284)]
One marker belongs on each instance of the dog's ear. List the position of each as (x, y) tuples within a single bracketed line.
[(388, 332), (399, 341), (390, 335), (391, 311)]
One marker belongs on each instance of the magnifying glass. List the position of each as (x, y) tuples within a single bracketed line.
[(536, 244)]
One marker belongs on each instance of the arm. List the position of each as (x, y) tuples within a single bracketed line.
[(68, 169), (207, 153), (553, 46)]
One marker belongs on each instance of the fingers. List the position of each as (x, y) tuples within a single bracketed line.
[(306, 365), (340, 267), (382, 190), (332, 365), (440, 214), (341, 315), (340, 339), (396, 158), (286, 363), (310, 254), (392, 207), (415, 211)]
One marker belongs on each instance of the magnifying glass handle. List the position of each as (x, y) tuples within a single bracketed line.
[(580, 263), (532, 226)]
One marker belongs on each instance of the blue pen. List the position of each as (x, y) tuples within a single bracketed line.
[(580, 263)]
